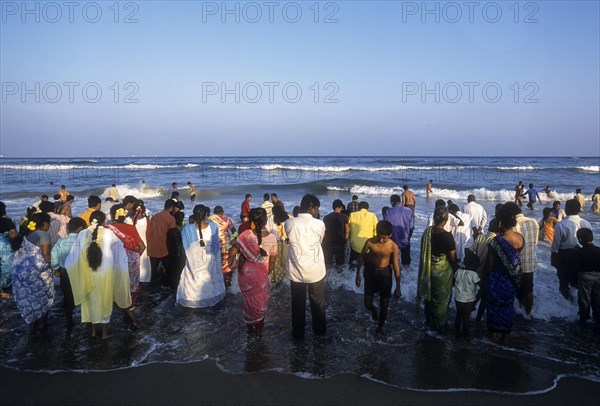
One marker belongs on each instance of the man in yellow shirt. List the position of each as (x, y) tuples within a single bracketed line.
[(94, 203), (363, 225)]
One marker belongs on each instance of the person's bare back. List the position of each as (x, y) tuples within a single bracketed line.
[(408, 198)]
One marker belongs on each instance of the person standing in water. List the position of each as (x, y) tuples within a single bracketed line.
[(381, 256)]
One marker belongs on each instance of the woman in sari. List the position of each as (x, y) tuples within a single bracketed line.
[(502, 275), (33, 285), (226, 227), (279, 217), (201, 283), (99, 275), (547, 224), (7, 233), (134, 246), (140, 220), (436, 268), (258, 249)]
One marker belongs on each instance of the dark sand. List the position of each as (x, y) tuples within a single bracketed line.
[(203, 383)]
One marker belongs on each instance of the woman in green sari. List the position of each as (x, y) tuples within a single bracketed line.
[(436, 267)]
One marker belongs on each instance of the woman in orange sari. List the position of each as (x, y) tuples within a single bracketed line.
[(258, 249)]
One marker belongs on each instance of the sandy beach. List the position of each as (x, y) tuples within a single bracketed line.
[(204, 383)]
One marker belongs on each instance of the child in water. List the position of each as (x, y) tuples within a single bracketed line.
[(465, 286)]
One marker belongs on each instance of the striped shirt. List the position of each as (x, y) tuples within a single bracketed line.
[(529, 229), (58, 227)]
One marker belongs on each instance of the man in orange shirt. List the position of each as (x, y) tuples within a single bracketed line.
[(158, 251)]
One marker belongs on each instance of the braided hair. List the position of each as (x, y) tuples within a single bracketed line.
[(258, 217), (201, 213), (94, 252)]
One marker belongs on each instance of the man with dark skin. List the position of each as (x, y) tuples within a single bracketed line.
[(382, 255)]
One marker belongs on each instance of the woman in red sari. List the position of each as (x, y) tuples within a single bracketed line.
[(258, 249), (134, 247)]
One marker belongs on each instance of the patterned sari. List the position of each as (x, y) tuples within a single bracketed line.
[(253, 277), (502, 285), (278, 274), (33, 285), (224, 224), (6, 260), (133, 261), (434, 284)]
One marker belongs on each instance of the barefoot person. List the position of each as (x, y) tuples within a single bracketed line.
[(60, 252), (382, 255), (201, 283), (33, 287), (502, 273), (98, 273), (436, 269), (306, 267), (258, 252)]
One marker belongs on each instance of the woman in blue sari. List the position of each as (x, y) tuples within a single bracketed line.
[(7, 233), (502, 275), (33, 284)]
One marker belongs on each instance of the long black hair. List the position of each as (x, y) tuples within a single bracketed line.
[(279, 215), (35, 222), (201, 213), (258, 217), (94, 252)]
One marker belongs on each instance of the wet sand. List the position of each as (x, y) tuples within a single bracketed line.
[(204, 383)]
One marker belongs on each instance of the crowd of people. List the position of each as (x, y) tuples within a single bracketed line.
[(106, 254)]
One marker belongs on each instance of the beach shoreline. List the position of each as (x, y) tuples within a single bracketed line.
[(204, 383)]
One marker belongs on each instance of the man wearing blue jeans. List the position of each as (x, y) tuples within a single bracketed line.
[(306, 266)]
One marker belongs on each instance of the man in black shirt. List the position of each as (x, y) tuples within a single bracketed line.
[(588, 265), (336, 236)]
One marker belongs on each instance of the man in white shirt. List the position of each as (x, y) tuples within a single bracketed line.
[(453, 220), (306, 266), (564, 247), (463, 234), (477, 212)]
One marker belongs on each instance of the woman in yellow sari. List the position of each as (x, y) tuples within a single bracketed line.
[(98, 270), (436, 268)]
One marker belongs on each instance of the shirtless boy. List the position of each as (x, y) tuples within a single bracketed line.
[(63, 192), (382, 254)]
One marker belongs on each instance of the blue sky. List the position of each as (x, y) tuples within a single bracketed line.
[(381, 65)]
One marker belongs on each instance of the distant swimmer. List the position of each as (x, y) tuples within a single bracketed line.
[(408, 198), (173, 187), (192, 191), (532, 194), (430, 188), (63, 192)]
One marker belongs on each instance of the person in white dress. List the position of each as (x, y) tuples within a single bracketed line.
[(201, 283)]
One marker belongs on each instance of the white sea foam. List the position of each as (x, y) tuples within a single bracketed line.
[(502, 195), (590, 168), (138, 192)]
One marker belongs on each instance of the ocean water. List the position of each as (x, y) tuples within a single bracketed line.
[(542, 350)]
